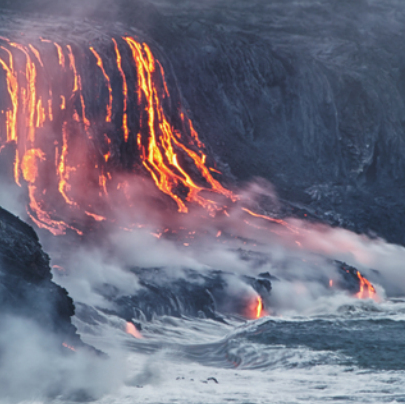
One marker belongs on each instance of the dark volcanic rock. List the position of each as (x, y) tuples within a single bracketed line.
[(209, 295), (309, 95), (26, 287)]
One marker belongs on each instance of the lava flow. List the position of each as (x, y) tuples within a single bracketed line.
[(366, 288), (131, 330), (55, 130), (82, 124), (259, 308)]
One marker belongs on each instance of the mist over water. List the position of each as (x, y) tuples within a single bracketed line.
[(300, 310)]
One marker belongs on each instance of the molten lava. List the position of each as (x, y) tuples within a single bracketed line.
[(259, 308), (131, 329), (367, 290), (110, 96), (56, 135), (69, 347)]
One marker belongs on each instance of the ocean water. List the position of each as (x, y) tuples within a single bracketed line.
[(353, 352)]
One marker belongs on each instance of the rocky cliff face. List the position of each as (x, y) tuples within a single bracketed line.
[(26, 287), (307, 94)]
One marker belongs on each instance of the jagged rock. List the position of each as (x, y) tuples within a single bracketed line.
[(26, 287)]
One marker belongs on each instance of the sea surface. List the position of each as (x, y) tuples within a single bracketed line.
[(349, 351)]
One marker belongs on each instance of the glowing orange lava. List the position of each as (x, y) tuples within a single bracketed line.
[(61, 56), (367, 290), (29, 164), (124, 92), (69, 347), (159, 151), (12, 87), (53, 157), (131, 329), (110, 96), (164, 151), (271, 219), (259, 307)]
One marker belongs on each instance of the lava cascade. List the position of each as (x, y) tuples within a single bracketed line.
[(70, 114), (367, 290), (60, 136)]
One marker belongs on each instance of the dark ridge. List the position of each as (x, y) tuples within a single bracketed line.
[(26, 287)]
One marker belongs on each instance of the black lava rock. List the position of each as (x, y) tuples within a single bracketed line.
[(26, 287)]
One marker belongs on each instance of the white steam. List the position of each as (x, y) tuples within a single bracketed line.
[(34, 365)]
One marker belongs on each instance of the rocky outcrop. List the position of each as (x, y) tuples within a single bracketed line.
[(26, 287)]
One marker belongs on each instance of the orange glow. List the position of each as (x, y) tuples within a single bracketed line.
[(194, 134), (12, 87), (162, 73), (36, 53), (367, 290), (110, 96), (85, 120), (158, 150), (97, 218), (50, 111), (61, 56), (131, 329), (58, 268), (77, 86), (271, 219), (102, 181), (17, 168), (214, 170), (124, 91), (69, 347), (40, 114), (174, 157), (330, 283), (30, 74), (29, 165), (42, 218), (73, 68), (63, 169), (259, 307)]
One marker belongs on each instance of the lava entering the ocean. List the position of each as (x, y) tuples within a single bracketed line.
[(131, 330), (81, 124), (366, 288), (259, 308)]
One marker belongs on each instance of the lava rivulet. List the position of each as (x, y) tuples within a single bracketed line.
[(366, 288)]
